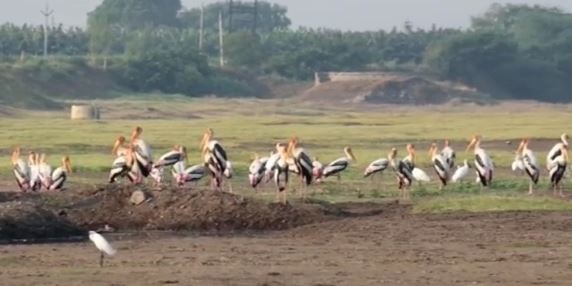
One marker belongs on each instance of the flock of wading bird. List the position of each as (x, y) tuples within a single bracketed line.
[(134, 161)]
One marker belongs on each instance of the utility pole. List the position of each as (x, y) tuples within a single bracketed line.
[(255, 22), (221, 39), (230, 13), (201, 29), (47, 13)]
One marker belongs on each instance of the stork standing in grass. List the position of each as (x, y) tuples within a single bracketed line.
[(303, 164), (377, 166), (143, 153), (461, 172), (340, 164), (281, 173), (418, 174), (440, 165), (518, 163), (449, 154), (21, 170), (556, 163), (403, 171), (529, 163), (270, 165), (215, 158), (483, 163)]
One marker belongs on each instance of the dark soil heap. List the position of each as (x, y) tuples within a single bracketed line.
[(183, 209), (74, 212)]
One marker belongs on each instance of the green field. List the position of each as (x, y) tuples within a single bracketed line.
[(247, 126)]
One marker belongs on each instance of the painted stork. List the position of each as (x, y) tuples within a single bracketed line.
[(377, 166), (529, 163), (271, 163), (441, 165), (123, 167), (303, 164), (60, 174), (449, 154), (556, 163), (179, 153), (518, 163), (461, 172), (317, 170), (215, 158), (183, 175), (119, 148), (339, 165), (35, 182), (143, 153), (256, 171), (418, 174), (21, 170), (402, 169), (483, 163), (281, 173), (556, 151), (45, 172)]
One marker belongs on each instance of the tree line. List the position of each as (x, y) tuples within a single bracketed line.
[(511, 51)]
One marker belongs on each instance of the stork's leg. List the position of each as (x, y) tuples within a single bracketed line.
[(530, 191), (277, 197), (339, 177), (561, 190), (230, 187), (100, 259)]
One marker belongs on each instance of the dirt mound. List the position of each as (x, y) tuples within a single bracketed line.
[(27, 220), (176, 209), (391, 90)]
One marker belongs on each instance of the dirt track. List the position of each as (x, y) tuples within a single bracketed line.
[(391, 248)]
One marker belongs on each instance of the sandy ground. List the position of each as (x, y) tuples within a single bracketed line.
[(392, 248)]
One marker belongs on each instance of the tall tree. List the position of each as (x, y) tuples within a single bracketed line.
[(137, 14), (271, 17)]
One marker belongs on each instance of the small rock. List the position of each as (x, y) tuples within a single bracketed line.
[(138, 197)]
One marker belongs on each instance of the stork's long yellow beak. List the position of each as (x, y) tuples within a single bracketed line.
[(471, 144)]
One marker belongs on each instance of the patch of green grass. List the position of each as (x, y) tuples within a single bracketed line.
[(247, 126), (491, 203)]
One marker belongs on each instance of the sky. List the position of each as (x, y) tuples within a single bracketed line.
[(355, 15)]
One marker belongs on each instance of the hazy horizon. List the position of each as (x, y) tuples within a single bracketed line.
[(358, 15)]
